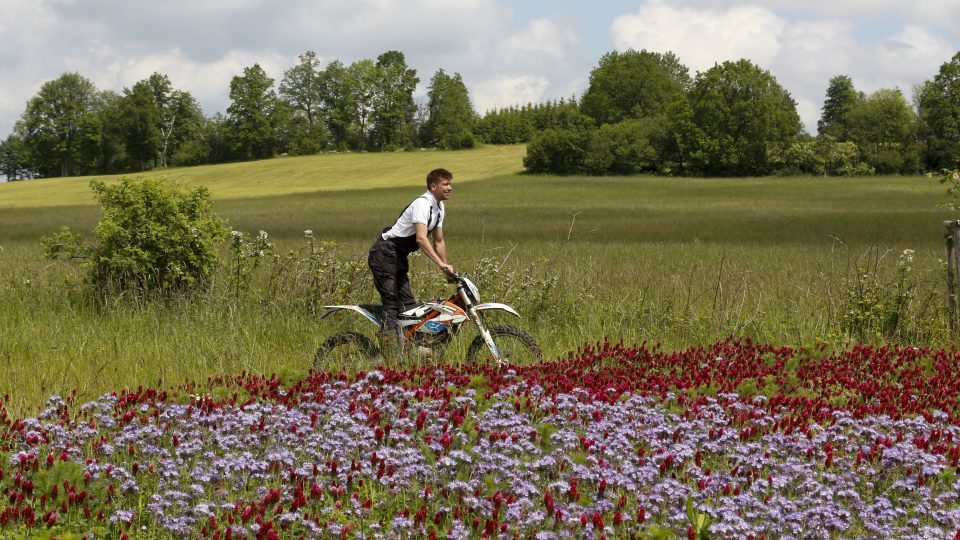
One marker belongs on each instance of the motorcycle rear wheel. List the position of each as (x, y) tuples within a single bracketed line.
[(516, 346), (342, 349)]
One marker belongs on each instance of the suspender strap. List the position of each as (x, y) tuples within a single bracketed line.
[(429, 217)]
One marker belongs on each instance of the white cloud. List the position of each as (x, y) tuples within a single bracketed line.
[(542, 40), (505, 91), (508, 53), (823, 39), (701, 37)]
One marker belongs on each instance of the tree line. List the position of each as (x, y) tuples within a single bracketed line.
[(71, 128), (641, 113)]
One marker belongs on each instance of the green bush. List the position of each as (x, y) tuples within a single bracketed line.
[(622, 148), (561, 147), (153, 235)]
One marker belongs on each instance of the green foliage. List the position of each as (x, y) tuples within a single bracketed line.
[(179, 118), (622, 148), (13, 158), (883, 126), (153, 235), (939, 117), (560, 149), (450, 117), (302, 85), (842, 97), (50, 127), (699, 521), (394, 108), (246, 252), (338, 96), (633, 84), (823, 156), (65, 244), (876, 309), (511, 125), (952, 179), (741, 116), (141, 119), (362, 78), (251, 114)]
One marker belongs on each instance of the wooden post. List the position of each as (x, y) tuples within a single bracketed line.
[(953, 264)]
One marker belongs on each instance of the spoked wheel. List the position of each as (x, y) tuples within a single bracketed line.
[(516, 346), (343, 349)]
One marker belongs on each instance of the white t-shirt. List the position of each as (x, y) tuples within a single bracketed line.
[(424, 209)]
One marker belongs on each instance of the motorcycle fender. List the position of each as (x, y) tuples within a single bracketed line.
[(370, 317), (496, 305)]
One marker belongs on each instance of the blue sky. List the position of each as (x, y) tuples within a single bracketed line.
[(507, 52)]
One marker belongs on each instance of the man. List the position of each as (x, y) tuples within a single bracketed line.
[(420, 220)]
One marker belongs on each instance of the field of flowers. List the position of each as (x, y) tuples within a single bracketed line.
[(735, 440)]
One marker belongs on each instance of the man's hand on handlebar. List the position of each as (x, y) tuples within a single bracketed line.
[(449, 272)]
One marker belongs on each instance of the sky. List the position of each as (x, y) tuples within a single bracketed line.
[(507, 52)]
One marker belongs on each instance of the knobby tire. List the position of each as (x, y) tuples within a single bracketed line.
[(505, 333)]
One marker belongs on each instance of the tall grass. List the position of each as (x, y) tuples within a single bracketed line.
[(676, 261)]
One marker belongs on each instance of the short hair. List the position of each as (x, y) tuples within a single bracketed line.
[(436, 175)]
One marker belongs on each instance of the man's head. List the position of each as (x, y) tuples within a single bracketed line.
[(439, 183)]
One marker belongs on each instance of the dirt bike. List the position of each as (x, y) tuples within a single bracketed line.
[(429, 327)]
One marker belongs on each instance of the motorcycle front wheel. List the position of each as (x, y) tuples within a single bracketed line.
[(516, 346), (343, 349)]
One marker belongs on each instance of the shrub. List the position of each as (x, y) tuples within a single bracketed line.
[(153, 235), (622, 148), (560, 148)]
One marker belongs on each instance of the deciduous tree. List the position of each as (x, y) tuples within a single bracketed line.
[(141, 120), (50, 127), (883, 126), (394, 108), (633, 84), (939, 114), (740, 116), (250, 113), (450, 114)]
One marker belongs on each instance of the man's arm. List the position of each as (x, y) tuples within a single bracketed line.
[(436, 254)]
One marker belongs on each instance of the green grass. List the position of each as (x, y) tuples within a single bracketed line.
[(679, 261), (282, 176)]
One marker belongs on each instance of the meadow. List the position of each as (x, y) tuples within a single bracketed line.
[(748, 357), (679, 261)]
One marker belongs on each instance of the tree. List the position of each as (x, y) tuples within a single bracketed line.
[(250, 113), (338, 103), (178, 116), (842, 97), (362, 85), (141, 120), (50, 127), (301, 86), (740, 115), (13, 159), (394, 108), (561, 148), (633, 84), (939, 117), (302, 89), (883, 126), (450, 115), (102, 146)]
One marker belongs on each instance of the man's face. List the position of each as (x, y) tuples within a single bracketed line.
[(441, 190)]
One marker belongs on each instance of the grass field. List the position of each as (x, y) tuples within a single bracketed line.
[(678, 261)]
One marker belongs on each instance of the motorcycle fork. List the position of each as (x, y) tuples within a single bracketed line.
[(487, 338)]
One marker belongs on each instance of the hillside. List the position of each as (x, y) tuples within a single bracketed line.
[(290, 175)]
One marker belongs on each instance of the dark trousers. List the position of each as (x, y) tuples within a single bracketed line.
[(389, 267)]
